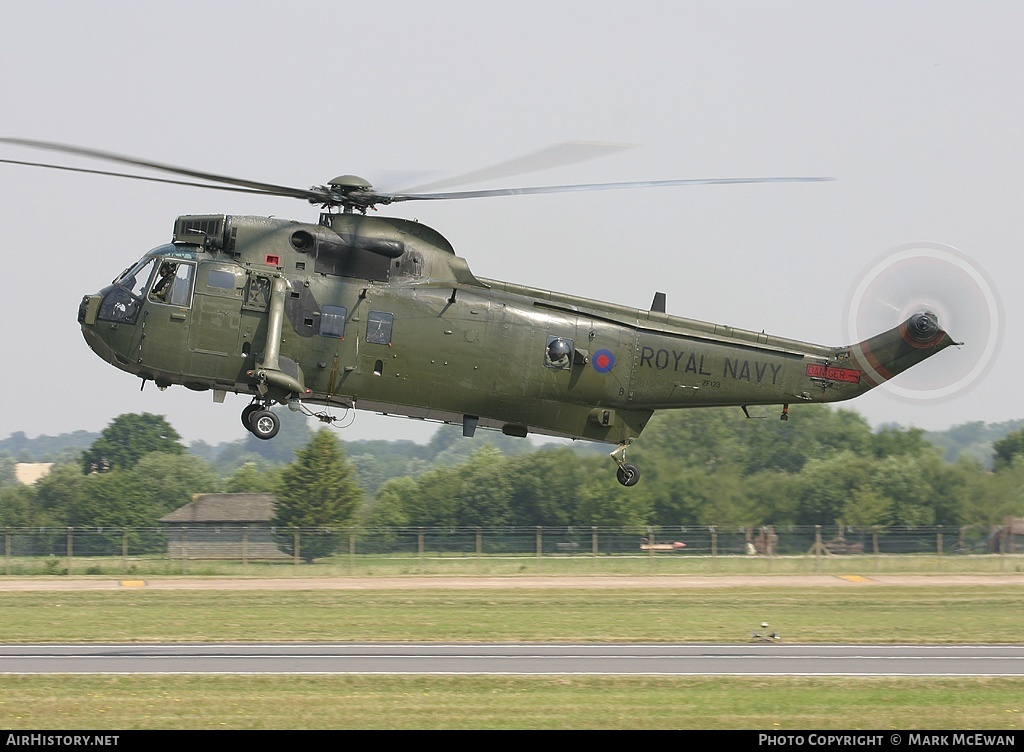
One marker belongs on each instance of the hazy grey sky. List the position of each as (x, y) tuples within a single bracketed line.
[(915, 107)]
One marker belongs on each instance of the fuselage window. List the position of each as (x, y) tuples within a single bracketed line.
[(558, 352), (220, 278), (378, 327), (332, 321)]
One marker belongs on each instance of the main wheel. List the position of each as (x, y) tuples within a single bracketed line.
[(628, 475), (264, 424), (247, 412)]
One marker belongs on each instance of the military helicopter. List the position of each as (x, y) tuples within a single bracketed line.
[(379, 313)]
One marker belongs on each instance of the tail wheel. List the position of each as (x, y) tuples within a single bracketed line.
[(627, 474), (264, 424)]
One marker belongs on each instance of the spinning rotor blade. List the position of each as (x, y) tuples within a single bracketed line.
[(592, 187), (352, 192), (249, 186), (556, 155), (134, 177), (930, 277)]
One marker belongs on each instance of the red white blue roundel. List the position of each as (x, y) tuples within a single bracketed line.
[(603, 361)]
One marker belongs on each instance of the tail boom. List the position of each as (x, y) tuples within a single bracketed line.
[(886, 355)]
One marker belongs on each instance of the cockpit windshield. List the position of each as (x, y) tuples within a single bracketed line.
[(136, 277)]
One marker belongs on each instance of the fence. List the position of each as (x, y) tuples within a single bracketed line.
[(178, 549)]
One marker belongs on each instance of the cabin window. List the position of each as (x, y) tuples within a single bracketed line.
[(332, 321), (558, 352), (219, 278), (378, 327)]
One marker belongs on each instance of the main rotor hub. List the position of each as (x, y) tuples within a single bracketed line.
[(350, 183)]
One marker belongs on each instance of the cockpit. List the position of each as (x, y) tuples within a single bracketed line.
[(165, 274)]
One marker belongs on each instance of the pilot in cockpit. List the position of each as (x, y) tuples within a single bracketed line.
[(162, 288)]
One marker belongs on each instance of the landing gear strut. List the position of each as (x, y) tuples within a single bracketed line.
[(627, 474)]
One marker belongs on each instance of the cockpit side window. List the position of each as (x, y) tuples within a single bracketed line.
[(173, 283)]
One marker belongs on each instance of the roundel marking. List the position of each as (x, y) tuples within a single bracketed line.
[(603, 361)]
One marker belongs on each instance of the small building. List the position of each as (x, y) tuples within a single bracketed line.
[(28, 473), (223, 526)]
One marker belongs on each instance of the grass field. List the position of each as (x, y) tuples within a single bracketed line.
[(370, 565), (986, 614)]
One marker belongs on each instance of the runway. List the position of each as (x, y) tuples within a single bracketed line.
[(754, 659)]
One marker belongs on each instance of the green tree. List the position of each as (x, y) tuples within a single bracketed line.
[(129, 438), (434, 503), (605, 502), (544, 486), (1008, 447), (316, 491), (254, 476), (60, 494), (389, 507), (18, 507), (827, 486), (165, 482), (8, 476), (484, 494), (908, 490)]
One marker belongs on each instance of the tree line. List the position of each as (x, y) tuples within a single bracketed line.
[(699, 467)]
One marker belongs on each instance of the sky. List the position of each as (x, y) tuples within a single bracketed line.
[(913, 107)]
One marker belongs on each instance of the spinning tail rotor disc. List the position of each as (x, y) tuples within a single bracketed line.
[(936, 278)]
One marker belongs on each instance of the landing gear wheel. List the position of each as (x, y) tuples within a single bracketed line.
[(628, 475), (247, 412), (264, 424)]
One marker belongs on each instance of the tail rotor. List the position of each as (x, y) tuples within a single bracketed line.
[(931, 285)]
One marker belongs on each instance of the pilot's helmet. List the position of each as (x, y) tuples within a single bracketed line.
[(558, 350)]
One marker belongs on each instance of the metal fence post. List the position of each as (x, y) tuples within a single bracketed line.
[(938, 546), (184, 550), (7, 551), (295, 547), (70, 549), (419, 549)]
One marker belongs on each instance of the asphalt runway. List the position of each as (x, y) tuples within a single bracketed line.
[(753, 659)]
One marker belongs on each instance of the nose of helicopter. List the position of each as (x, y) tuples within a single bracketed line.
[(88, 311)]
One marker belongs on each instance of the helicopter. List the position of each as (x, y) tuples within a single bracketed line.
[(363, 312)]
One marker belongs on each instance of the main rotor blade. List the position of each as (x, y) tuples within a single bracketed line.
[(136, 177), (596, 187), (251, 185), (556, 155)]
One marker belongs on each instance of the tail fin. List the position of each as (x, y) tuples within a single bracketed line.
[(883, 356)]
